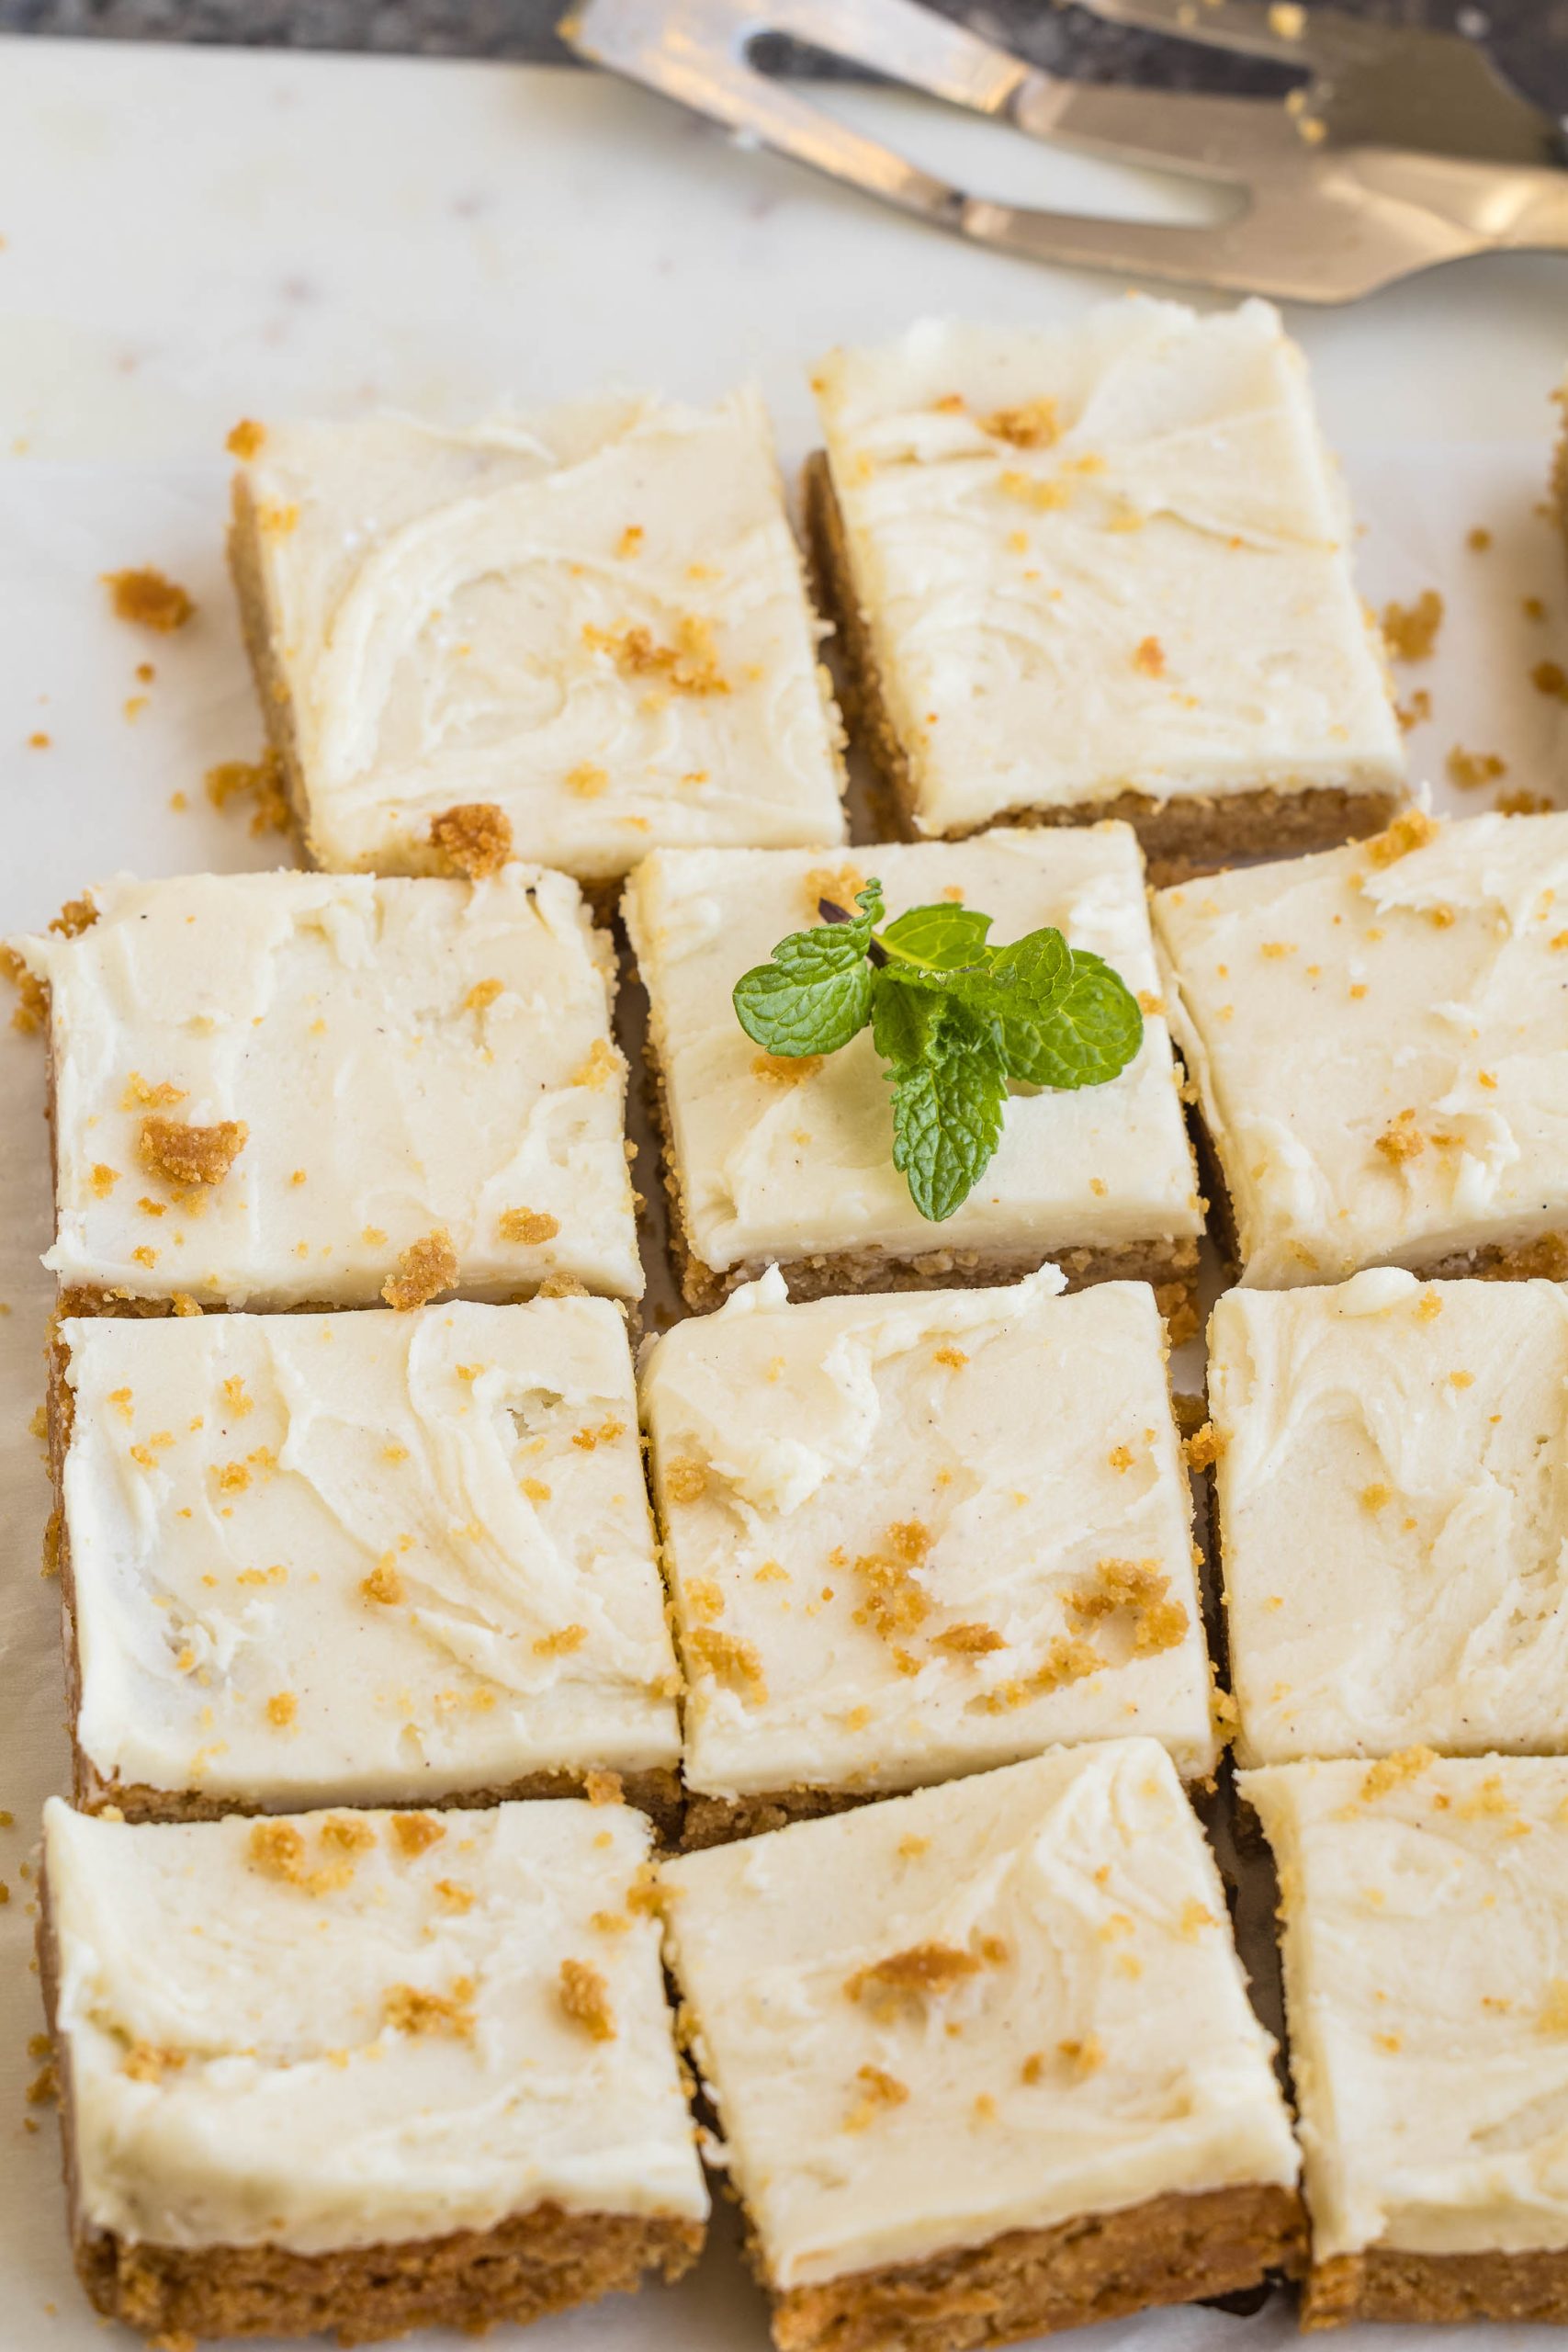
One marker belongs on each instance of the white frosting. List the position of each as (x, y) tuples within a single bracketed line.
[(990, 1449), (232, 1482), (407, 1056), (775, 1165), (1421, 1435), (1335, 1008), (1185, 504), (1425, 1929), (437, 601), (231, 2044), (1081, 1883)]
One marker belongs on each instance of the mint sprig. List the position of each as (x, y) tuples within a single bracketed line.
[(958, 1022)]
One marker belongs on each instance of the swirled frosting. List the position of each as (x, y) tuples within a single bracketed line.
[(594, 617), (1104, 558), (367, 1558), (993, 2005), (347, 2029), (1377, 1036), (1426, 1910), (1420, 1432), (404, 1058), (944, 1529), (775, 1160)]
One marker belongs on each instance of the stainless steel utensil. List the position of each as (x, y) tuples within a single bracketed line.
[(1398, 149)]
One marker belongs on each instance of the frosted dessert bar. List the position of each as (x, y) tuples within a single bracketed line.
[(770, 1160), (1393, 1519), (1102, 570), (1376, 1038), (912, 1536), (578, 635), (290, 1090), (365, 2071), (1425, 1916), (359, 1559), (986, 2050)]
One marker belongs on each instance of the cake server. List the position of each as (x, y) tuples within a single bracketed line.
[(1398, 149)]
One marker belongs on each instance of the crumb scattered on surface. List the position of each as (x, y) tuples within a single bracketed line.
[(1470, 769), (923, 1972), (1415, 712), (260, 781), (600, 1066), (474, 837), (1031, 425), (75, 916), (383, 1584), (1149, 657), (1394, 1772), (604, 1788), (183, 1154), (1551, 678), (414, 2009), (1203, 1448), (585, 1997), (1140, 1587), (1521, 803), (972, 1639), (689, 665), (785, 1069), (587, 781), (32, 996), (687, 1481), (561, 1643), (145, 596), (415, 1833), (246, 438), (1478, 540), (729, 1659), (424, 1270), (1410, 631)]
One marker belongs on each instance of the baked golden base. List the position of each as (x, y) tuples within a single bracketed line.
[(1384, 2283), (523, 2270), (719, 1821), (1171, 2249), (655, 1790), (1171, 1266), (1184, 836)]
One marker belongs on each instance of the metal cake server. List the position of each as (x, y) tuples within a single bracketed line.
[(1399, 148)]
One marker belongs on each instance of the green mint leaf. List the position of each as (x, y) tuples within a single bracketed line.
[(1026, 980), (947, 1111), (813, 995), (944, 938), (861, 926), (1091, 1032), (906, 1023)]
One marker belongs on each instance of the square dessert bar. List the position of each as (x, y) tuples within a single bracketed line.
[(775, 1161), (1393, 1514), (1426, 1922), (1102, 570), (588, 628), (912, 1536), (368, 2072), (291, 1090), (1377, 1039), (359, 1559), (984, 2059)]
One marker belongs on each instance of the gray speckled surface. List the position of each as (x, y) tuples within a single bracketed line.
[(1529, 37)]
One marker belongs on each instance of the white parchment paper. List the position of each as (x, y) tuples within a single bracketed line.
[(98, 797)]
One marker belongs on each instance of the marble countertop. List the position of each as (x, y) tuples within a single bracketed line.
[(1529, 37)]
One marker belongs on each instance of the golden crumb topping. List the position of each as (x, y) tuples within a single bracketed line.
[(350, 1833), (415, 1833), (1033, 424), (690, 665), (246, 438), (785, 1069), (604, 1788), (584, 1997), (1204, 1447), (144, 596), (1401, 1139), (1412, 829), (277, 1849), (282, 1709), (260, 781), (424, 1270), (148, 2062), (1142, 1587), (1066, 1661), (587, 781), (685, 1480), (1084, 2057), (1149, 657), (1553, 2016), (972, 1639), (1550, 678), (414, 2009), (1410, 631), (1394, 1772), (878, 2092), (474, 838), (729, 1659), (923, 1972), (184, 1154), (383, 1583), (603, 1063), (839, 884), (561, 1643), (528, 1224)]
